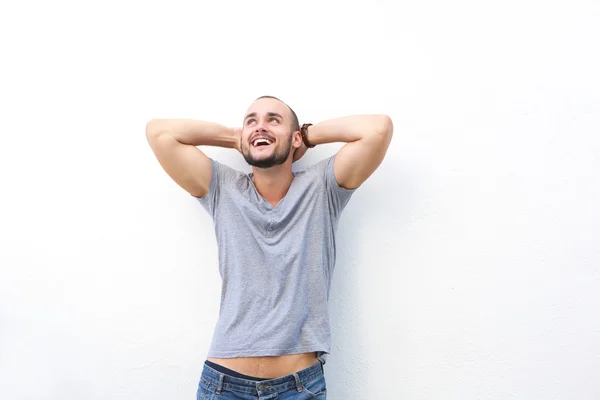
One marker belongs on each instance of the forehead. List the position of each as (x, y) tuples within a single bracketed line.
[(263, 106)]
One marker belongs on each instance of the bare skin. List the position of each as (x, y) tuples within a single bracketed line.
[(268, 367)]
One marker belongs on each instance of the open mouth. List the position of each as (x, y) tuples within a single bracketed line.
[(262, 142)]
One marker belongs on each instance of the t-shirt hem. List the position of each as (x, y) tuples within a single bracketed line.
[(264, 352)]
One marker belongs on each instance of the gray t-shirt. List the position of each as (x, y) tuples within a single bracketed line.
[(275, 263)]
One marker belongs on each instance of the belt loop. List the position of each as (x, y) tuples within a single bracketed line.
[(298, 383), (220, 385)]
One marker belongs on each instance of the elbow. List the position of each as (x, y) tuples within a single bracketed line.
[(386, 125), (150, 127), (153, 128)]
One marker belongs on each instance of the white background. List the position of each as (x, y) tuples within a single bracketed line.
[(468, 264)]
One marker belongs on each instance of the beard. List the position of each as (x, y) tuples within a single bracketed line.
[(275, 158)]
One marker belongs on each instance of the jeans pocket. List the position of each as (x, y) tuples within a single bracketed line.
[(204, 390), (316, 388)]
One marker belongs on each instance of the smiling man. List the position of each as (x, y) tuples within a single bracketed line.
[(276, 236)]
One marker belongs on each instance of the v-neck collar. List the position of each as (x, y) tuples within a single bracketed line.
[(270, 206)]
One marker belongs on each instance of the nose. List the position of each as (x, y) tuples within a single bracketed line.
[(260, 125), (260, 128)]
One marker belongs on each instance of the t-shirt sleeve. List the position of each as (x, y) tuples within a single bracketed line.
[(338, 196), (221, 174)]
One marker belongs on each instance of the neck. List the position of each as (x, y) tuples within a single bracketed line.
[(273, 183)]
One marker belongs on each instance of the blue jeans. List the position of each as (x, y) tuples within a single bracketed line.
[(308, 383)]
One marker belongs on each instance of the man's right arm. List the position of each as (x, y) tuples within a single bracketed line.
[(174, 142)]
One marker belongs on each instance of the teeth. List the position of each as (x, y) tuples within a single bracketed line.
[(261, 140)]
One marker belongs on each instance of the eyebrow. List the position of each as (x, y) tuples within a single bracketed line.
[(270, 114)]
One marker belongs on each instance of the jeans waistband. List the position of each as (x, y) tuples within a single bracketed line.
[(222, 381)]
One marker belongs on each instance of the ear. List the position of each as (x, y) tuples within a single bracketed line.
[(297, 139), (299, 146)]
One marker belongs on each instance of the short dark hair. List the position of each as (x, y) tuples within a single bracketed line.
[(295, 123)]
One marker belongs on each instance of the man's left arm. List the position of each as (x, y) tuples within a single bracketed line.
[(367, 139)]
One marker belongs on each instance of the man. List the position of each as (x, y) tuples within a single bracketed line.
[(275, 231)]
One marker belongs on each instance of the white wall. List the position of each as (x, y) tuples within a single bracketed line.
[(468, 264)]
